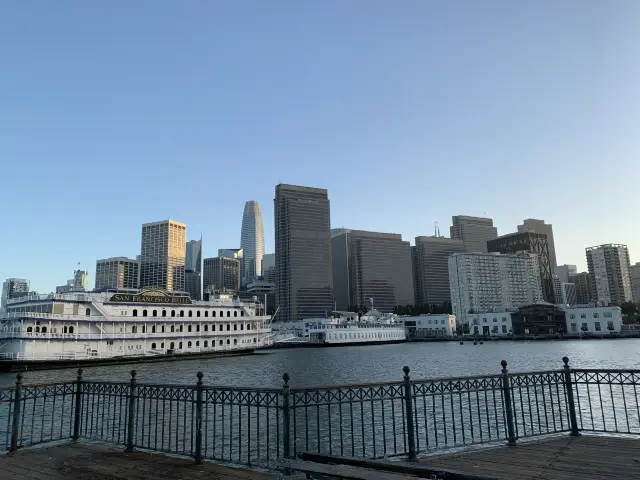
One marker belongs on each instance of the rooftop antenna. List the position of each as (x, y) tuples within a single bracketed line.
[(435, 229), (438, 226)]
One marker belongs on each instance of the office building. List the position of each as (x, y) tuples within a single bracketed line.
[(488, 282), (474, 232), (237, 253), (79, 283), (584, 288), (269, 267), (371, 266), (558, 298), (564, 272), (193, 269), (635, 282), (610, 271), (431, 268), (162, 255), (529, 242), (116, 272), (538, 226), (221, 275), (569, 296), (304, 281), (13, 288), (252, 241)]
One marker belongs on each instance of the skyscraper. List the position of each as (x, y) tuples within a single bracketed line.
[(584, 288), (252, 241), (610, 271), (193, 269), (431, 268), (538, 226), (474, 232), (371, 265), (221, 275), (162, 255), (269, 267), (564, 272), (116, 272), (635, 282), (304, 281), (13, 288)]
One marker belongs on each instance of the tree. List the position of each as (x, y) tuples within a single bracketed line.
[(629, 309)]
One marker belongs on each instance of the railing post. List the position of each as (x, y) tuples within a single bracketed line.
[(506, 389), (286, 429), (131, 425), (408, 403), (568, 385), (77, 414), (15, 425), (198, 453)]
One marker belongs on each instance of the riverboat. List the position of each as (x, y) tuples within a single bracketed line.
[(124, 326)]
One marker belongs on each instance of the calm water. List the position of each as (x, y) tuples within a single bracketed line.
[(378, 363)]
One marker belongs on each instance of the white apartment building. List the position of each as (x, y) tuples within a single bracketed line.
[(489, 324), (430, 325), (485, 282), (593, 320)]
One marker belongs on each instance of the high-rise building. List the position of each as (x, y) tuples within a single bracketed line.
[(221, 275), (269, 267), (558, 298), (79, 283), (237, 253), (252, 241), (474, 232), (492, 282), (431, 268), (162, 255), (304, 281), (13, 288), (116, 272), (584, 288), (538, 226), (565, 271), (635, 282), (610, 271), (529, 242), (193, 269), (569, 296), (371, 265)]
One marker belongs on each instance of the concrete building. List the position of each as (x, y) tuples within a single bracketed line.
[(428, 326), (304, 282), (529, 242), (538, 226), (162, 255), (221, 275), (431, 268), (116, 272), (564, 272), (569, 296), (485, 282), (13, 288), (635, 282), (474, 232), (79, 283), (497, 323), (584, 288), (371, 265), (252, 241), (557, 289), (193, 269), (269, 267), (593, 320), (610, 271)]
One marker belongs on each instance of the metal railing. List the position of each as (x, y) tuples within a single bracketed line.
[(258, 426)]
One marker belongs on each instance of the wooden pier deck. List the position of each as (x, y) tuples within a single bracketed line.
[(586, 457)]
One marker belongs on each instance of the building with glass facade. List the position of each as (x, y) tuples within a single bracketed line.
[(221, 275), (162, 255), (431, 268), (252, 241), (610, 270), (116, 272), (474, 232)]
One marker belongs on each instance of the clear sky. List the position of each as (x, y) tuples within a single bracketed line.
[(117, 113)]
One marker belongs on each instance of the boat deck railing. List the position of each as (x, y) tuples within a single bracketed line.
[(258, 426)]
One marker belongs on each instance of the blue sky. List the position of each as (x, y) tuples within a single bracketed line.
[(117, 113)]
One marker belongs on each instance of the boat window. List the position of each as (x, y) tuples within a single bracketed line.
[(155, 313), (191, 313), (172, 345), (162, 328), (181, 327), (206, 344), (206, 328), (135, 312), (153, 329), (235, 326), (228, 341), (220, 328), (198, 313), (189, 328), (220, 342), (228, 313), (235, 313), (182, 313), (206, 313), (30, 329), (242, 313), (153, 346), (144, 313), (173, 313), (162, 345), (164, 313), (37, 329), (44, 329), (144, 329), (235, 341), (197, 344), (87, 312), (213, 313), (134, 329), (242, 326), (197, 328), (180, 346), (228, 327), (173, 328), (254, 340), (189, 345), (70, 329)]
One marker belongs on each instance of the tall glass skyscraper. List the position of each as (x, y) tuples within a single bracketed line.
[(193, 269), (252, 241)]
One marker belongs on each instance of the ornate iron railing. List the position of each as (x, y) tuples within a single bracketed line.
[(258, 426)]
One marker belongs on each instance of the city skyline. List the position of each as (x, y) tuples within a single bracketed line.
[(407, 116)]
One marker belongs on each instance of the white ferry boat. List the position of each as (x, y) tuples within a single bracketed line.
[(43, 331), (341, 328)]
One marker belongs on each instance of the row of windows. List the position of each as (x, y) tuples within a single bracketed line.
[(172, 345), (174, 313), (595, 315), (193, 328), (365, 335), (584, 327)]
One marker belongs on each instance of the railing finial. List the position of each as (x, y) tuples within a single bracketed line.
[(286, 377), (406, 371), (566, 362), (19, 378), (200, 375), (79, 374), (133, 375), (504, 365)]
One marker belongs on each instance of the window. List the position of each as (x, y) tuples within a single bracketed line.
[(180, 345), (155, 313), (153, 346), (242, 313), (607, 315), (504, 329), (442, 321), (429, 322), (182, 313), (70, 329), (197, 328), (87, 312), (173, 328), (44, 329), (609, 325), (172, 345), (235, 313), (228, 327), (484, 320), (144, 329), (144, 313), (495, 319), (228, 313), (213, 313), (30, 329), (228, 341), (162, 328), (197, 344), (235, 341), (242, 326), (164, 313), (504, 319), (134, 329), (198, 313), (220, 328), (135, 312), (235, 326), (220, 342), (190, 313), (206, 344), (153, 329), (583, 315), (173, 313), (162, 345), (189, 345), (206, 313), (598, 328), (596, 315), (584, 327), (574, 327), (189, 329), (206, 328), (572, 316)]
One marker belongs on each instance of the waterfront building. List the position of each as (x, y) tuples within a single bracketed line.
[(569, 295), (431, 268), (13, 288), (610, 271), (116, 272), (76, 326), (538, 226), (483, 282), (593, 320), (530, 242), (162, 255), (193, 269), (430, 326), (269, 267), (474, 232), (371, 265), (252, 241), (221, 275), (635, 282), (565, 272), (304, 282), (496, 323), (584, 288)]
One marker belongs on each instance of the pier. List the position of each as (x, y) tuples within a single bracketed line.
[(473, 427)]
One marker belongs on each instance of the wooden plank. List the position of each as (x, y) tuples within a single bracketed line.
[(340, 471)]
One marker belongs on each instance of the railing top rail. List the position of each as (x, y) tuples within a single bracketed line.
[(606, 370), (535, 372)]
